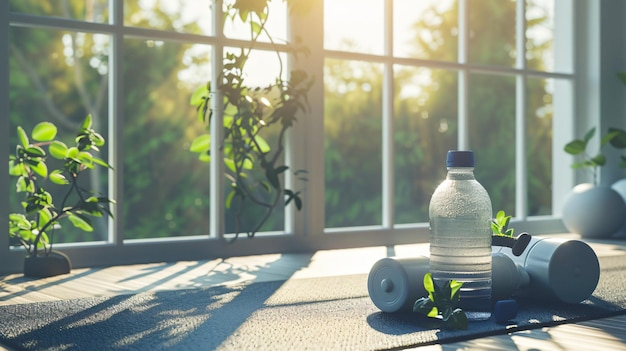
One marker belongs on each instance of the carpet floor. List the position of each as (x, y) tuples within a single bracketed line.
[(331, 313)]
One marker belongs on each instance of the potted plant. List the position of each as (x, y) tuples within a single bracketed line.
[(34, 228), (594, 210), (254, 165)]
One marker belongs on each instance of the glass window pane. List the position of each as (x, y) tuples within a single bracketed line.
[(276, 24), (540, 34), (189, 16), (352, 145), (354, 25), (261, 70), (60, 77), (539, 146), (492, 136), (492, 32), (90, 11), (425, 29), (166, 188), (426, 109)]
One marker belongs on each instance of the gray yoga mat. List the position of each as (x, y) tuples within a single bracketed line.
[(318, 313)]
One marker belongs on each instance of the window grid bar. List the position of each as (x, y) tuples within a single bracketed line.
[(217, 225), (4, 122), (463, 88), (521, 161), (18, 19), (34, 21), (116, 123), (388, 116), (457, 66)]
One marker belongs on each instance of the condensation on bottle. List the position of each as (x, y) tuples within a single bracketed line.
[(460, 235)]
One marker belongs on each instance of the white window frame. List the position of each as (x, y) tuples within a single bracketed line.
[(305, 230)]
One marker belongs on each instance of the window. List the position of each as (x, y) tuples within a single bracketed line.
[(400, 82), (453, 74)]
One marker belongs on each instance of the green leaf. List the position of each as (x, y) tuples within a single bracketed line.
[(44, 217), (201, 144), (495, 228), (589, 135), (16, 168), (599, 160), (247, 164), (575, 147), (230, 164), (256, 27), (57, 150), (85, 158), (199, 96), (87, 122), (455, 288), (281, 169), (264, 147), (97, 139), (500, 216), (44, 131), (298, 201), (622, 77), (608, 137), (229, 198), (423, 306), (619, 142), (505, 222), (23, 136), (444, 294), (434, 312), (243, 15), (272, 177), (205, 157), (72, 153), (40, 168), (57, 177), (34, 151), (43, 240), (23, 184), (295, 197), (19, 220), (101, 162), (81, 222), (428, 283)]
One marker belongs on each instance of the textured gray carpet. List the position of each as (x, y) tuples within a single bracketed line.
[(332, 313)]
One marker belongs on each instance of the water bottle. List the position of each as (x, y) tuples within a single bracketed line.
[(460, 235)]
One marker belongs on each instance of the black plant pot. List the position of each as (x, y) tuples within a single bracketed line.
[(43, 266)]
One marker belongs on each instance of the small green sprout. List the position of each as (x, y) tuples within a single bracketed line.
[(442, 303), (500, 225)]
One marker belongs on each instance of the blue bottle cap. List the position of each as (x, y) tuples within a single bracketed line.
[(460, 159)]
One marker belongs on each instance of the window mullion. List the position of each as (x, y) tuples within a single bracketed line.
[(521, 162), (4, 125), (217, 210), (116, 122), (463, 89), (306, 137), (388, 122)]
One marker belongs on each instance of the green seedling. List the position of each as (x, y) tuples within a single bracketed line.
[(442, 303), (500, 225)]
